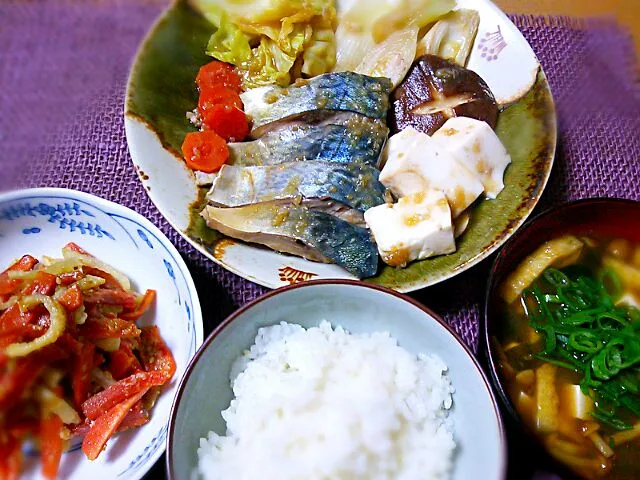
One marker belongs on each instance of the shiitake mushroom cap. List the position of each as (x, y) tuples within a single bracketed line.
[(435, 90)]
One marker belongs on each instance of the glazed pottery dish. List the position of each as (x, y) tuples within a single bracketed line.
[(323, 371), (561, 332), (87, 258), (317, 154)]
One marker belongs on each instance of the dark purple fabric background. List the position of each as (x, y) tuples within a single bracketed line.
[(63, 72)]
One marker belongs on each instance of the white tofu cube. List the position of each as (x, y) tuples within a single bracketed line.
[(417, 227), (415, 163), (475, 145)]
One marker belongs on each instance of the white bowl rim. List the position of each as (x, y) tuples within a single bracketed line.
[(310, 284)]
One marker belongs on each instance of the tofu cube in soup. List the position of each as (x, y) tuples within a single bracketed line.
[(418, 226), (475, 145), (416, 163)]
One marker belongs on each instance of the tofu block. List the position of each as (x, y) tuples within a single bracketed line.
[(417, 227), (475, 145), (415, 163)]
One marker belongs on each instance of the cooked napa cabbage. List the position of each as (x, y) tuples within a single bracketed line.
[(452, 36), (272, 41), (366, 24), (392, 57)]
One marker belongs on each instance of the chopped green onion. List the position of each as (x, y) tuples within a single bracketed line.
[(583, 331)]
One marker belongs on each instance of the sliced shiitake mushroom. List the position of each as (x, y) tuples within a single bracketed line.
[(435, 90)]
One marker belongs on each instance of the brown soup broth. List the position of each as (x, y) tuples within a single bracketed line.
[(517, 342)]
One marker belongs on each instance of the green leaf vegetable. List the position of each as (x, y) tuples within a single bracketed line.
[(585, 331), (275, 41)]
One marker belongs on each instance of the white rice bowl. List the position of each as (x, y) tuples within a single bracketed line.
[(325, 404)]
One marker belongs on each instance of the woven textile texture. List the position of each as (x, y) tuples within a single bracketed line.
[(63, 72)]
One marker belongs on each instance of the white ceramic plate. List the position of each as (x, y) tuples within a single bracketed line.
[(40, 222), (500, 55)]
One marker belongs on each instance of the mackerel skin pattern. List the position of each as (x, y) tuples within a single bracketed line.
[(343, 91), (355, 185), (283, 228), (358, 138)]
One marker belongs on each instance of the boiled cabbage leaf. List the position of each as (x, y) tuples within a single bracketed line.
[(267, 39), (229, 43), (392, 57), (367, 24), (320, 54), (452, 36)]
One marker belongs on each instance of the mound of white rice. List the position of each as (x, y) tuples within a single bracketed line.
[(325, 404)]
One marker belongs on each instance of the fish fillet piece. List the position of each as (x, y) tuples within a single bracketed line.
[(343, 91), (355, 185), (341, 138), (314, 235)]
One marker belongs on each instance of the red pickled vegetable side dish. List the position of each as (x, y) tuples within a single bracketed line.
[(221, 117), (73, 363)]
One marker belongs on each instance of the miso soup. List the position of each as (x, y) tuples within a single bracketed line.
[(569, 351)]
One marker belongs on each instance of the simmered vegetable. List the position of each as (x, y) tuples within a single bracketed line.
[(392, 57), (220, 117), (272, 42), (560, 251), (366, 25), (451, 37), (205, 151), (435, 90)]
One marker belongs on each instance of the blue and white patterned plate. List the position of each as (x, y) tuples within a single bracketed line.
[(40, 222)]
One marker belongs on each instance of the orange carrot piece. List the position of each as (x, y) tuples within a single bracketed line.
[(51, 445), (106, 425), (146, 302), (205, 151)]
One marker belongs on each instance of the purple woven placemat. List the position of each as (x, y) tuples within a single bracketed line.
[(63, 71)]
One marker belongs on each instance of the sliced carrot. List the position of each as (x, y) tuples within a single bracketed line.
[(44, 284), (205, 151), (9, 287), (106, 425), (72, 299), (51, 445), (228, 121), (218, 73), (154, 353), (10, 459), (123, 361), (81, 374), (146, 302), (14, 321), (217, 95), (15, 382), (111, 396), (108, 327)]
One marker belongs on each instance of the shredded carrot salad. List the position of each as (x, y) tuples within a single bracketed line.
[(73, 362)]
